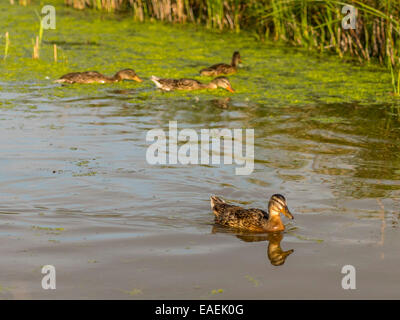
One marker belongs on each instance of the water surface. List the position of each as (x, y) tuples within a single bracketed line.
[(76, 190)]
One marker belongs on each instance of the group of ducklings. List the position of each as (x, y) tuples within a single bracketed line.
[(163, 84), (255, 220)]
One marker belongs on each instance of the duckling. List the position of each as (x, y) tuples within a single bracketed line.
[(191, 84), (252, 219), (222, 68), (96, 77)]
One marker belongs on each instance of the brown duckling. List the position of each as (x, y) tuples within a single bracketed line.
[(256, 220), (96, 77), (191, 84), (222, 68)]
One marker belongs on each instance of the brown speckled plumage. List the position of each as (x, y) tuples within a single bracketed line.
[(222, 68), (97, 77), (191, 84), (251, 219)]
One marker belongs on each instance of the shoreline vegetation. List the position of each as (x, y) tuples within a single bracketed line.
[(313, 24)]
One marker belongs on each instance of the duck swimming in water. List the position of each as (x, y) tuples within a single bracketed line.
[(191, 84), (252, 219), (222, 68), (96, 77)]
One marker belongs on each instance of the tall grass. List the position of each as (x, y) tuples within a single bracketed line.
[(317, 24), (314, 24), (7, 45)]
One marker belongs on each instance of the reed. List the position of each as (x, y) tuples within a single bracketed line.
[(317, 24), (314, 24), (7, 45), (23, 2), (40, 26), (36, 47), (55, 52)]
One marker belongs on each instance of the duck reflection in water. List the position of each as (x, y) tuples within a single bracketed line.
[(275, 254)]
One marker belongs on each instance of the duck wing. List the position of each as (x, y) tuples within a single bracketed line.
[(82, 77), (92, 76), (217, 69), (239, 217), (188, 84), (69, 77), (219, 66)]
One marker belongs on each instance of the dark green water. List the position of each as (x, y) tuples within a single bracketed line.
[(73, 157)]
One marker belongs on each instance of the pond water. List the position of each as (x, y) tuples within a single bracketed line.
[(77, 192)]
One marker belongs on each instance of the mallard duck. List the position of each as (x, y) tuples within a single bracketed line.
[(275, 254), (191, 84), (96, 77), (252, 219), (222, 68)]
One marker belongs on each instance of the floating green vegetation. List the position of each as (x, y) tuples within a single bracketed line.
[(305, 238), (85, 174), (254, 281), (47, 228), (217, 291), (82, 163), (327, 119), (307, 23), (272, 74), (134, 292), (6, 105)]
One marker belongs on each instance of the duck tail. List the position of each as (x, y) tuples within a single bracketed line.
[(215, 200), (60, 81), (156, 80)]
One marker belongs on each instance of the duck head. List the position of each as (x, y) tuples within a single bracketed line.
[(236, 59), (277, 205), (127, 74), (222, 82)]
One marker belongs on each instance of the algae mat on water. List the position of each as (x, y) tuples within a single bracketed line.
[(271, 74)]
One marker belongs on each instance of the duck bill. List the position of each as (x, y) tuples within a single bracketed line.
[(287, 213), (230, 89), (136, 78)]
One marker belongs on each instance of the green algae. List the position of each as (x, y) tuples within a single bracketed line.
[(300, 237), (271, 73), (134, 292), (48, 228), (82, 163), (217, 291), (3, 289)]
